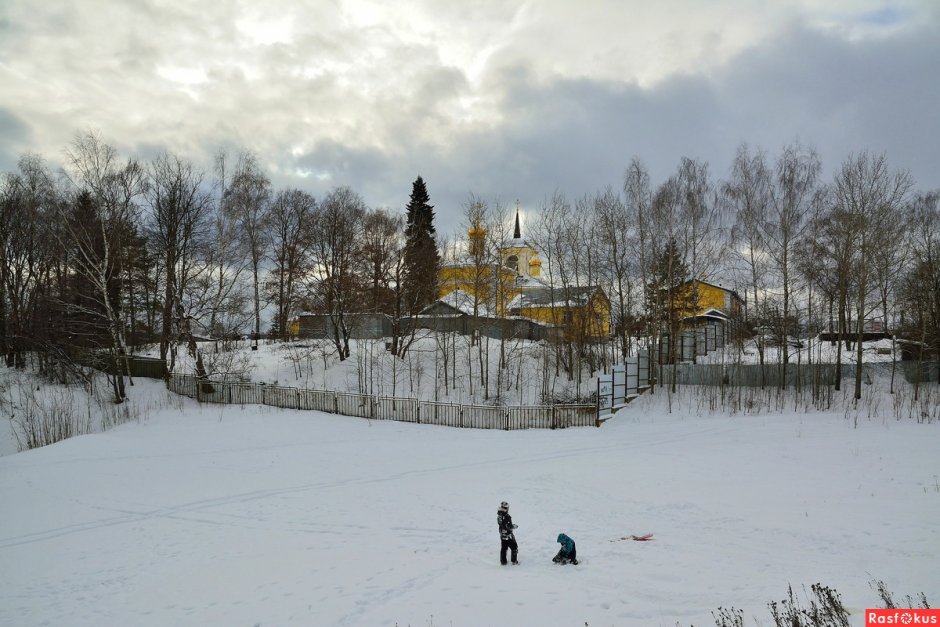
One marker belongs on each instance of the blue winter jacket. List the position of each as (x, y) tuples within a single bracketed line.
[(567, 544)]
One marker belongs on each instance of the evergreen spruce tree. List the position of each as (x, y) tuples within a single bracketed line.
[(422, 259)]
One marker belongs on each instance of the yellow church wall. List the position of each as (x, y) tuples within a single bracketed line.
[(592, 319)]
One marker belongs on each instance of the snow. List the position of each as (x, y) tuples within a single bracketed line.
[(227, 515)]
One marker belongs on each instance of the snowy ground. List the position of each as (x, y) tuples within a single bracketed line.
[(249, 516)]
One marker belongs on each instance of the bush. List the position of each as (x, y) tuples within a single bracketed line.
[(44, 418), (888, 599), (825, 608)]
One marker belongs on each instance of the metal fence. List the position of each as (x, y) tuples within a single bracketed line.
[(386, 408), (772, 375)]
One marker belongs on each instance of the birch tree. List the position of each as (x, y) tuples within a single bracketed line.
[(248, 199), (94, 228), (871, 195), (617, 238), (793, 193), (747, 194)]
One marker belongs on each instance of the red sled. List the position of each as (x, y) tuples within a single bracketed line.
[(647, 538)]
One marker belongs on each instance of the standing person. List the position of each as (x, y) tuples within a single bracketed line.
[(568, 554), (506, 536)]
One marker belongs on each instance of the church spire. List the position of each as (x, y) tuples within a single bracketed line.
[(517, 233)]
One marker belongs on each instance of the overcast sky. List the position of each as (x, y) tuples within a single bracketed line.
[(508, 100)]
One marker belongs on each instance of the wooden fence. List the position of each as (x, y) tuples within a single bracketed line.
[(387, 408)]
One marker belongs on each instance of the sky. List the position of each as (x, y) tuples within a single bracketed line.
[(508, 100)]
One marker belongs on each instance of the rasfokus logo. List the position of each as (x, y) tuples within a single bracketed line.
[(913, 616)]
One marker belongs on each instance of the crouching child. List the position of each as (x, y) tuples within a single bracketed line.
[(568, 554)]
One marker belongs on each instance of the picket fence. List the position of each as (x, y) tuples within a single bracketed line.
[(387, 408)]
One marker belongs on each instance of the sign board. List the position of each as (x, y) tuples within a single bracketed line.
[(605, 396)]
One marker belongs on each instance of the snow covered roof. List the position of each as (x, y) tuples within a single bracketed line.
[(712, 313), (544, 296), (460, 301)]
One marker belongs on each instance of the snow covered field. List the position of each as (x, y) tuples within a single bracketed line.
[(250, 516)]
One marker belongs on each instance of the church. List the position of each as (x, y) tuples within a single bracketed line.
[(516, 288)]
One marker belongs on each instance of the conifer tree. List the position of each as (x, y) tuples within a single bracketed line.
[(422, 259)]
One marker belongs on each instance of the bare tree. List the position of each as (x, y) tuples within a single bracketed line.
[(920, 284), (289, 220), (96, 230), (248, 199), (480, 264), (227, 261), (747, 193), (336, 228), (872, 196), (179, 214), (28, 201), (617, 238), (638, 199), (793, 194), (499, 236), (891, 254), (702, 228), (833, 250), (667, 268), (381, 240), (380, 260), (566, 235)]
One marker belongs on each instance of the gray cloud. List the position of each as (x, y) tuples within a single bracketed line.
[(476, 101), (15, 134)]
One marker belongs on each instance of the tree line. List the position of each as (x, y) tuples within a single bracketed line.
[(806, 255), (111, 252)]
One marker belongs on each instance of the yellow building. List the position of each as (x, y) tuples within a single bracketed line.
[(583, 312), (700, 299), (515, 288)]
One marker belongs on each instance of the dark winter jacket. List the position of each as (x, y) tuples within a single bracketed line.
[(504, 520), (567, 544)]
